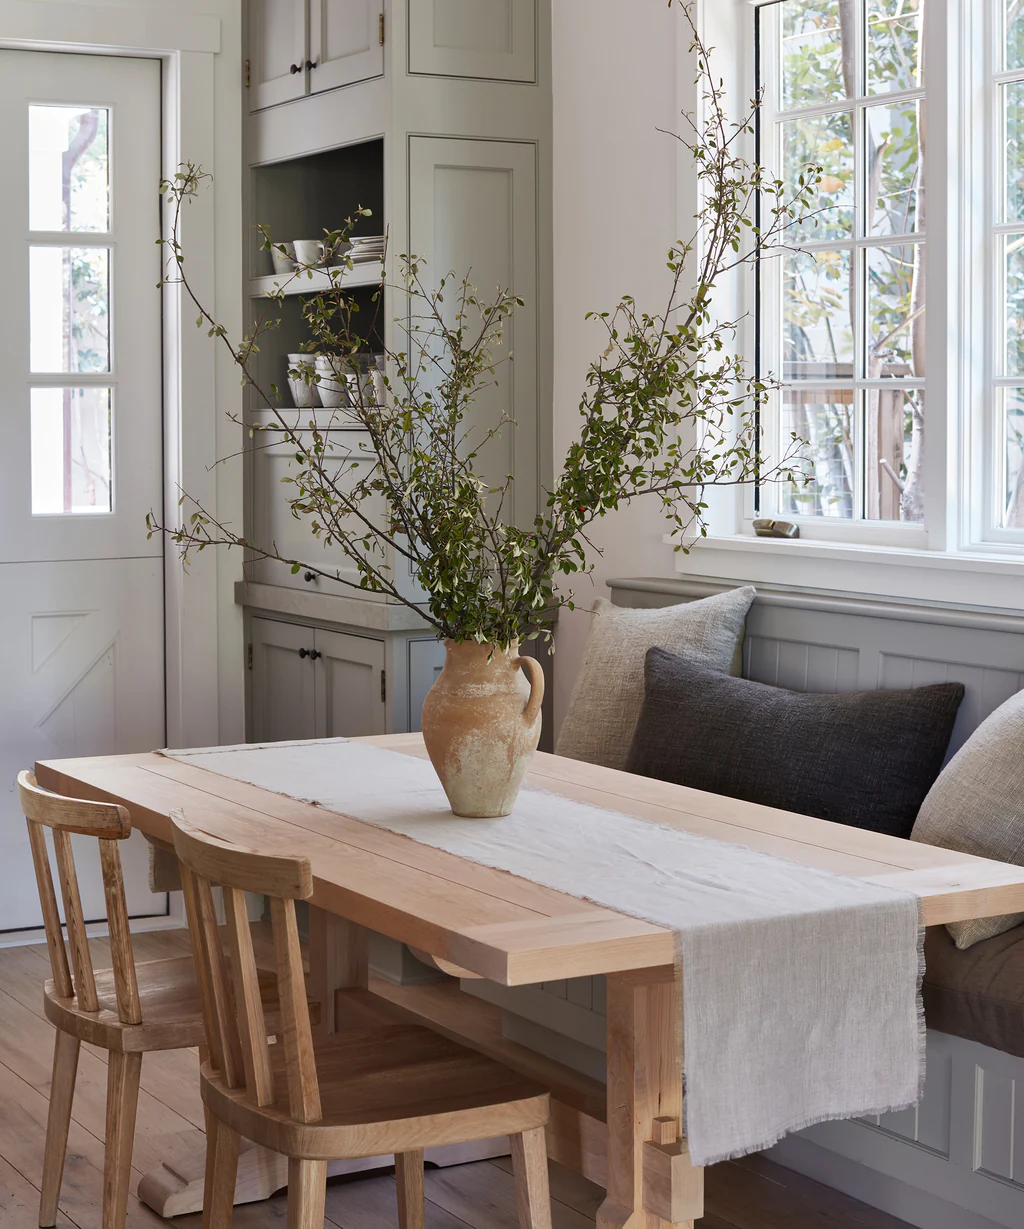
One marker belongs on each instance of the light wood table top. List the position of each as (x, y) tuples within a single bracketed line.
[(495, 924)]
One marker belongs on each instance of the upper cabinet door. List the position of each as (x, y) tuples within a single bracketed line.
[(346, 42), (494, 40), (278, 51)]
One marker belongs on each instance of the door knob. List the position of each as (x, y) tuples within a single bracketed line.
[(312, 654), (310, 65), (309, 576), (295, 68)]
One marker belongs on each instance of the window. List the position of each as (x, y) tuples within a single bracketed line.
[(69, 309), (894, 321)]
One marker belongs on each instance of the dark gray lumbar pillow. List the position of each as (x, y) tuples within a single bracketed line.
[(867, 758)]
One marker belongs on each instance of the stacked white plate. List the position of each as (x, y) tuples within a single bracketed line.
[(366, 248)]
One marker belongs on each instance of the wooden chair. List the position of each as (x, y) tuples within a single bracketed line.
[(127, 1009), (356, 1093)]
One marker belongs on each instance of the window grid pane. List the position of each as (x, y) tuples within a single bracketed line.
[(849, 311), (71, 451)]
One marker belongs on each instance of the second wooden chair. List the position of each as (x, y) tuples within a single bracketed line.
[(357, 1093)]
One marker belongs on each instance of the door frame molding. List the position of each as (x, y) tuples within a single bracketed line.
[(200, 81)]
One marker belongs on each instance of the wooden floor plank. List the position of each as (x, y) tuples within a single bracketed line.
[(749, 1194)]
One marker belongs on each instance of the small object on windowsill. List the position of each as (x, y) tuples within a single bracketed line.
[(776, 529)]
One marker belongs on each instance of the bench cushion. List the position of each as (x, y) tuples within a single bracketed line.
[(979, 993), (865, 758)]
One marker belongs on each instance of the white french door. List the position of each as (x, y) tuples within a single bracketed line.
[(81, 616)]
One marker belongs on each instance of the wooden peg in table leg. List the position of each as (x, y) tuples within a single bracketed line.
[(673, 1189)]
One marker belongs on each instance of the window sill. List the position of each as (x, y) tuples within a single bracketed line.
[(966, 578)]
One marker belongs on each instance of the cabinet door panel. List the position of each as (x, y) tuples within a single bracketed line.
[(278, 38), (282, 682), (349, 686), (473, 208), (345, 42), (273, 522), (492, 39)]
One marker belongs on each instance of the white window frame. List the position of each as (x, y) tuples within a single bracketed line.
[(960, 536)]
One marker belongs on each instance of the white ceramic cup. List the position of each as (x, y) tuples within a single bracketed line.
[(284, 262), (304, 396), (309, 251)]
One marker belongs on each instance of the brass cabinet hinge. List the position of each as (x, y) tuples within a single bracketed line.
[(383, 686), (380, 29), (248, 656), (247, 74)]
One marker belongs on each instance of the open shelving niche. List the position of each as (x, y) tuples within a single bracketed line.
[(300, 198)]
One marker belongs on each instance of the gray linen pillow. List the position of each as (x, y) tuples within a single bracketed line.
[(977, 806), (864, 758), (610, 689)]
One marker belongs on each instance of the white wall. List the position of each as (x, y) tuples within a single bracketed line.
[(616, 211)]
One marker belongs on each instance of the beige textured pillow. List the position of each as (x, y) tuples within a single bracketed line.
[(977, 806), (610, 689)]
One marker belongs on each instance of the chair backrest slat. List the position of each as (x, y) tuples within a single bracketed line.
[(208, 860), (51, 914), (303, 1086), (220, 986), (109, 823), (122, 958), (252, 1023), (78, 940), (206, 998)]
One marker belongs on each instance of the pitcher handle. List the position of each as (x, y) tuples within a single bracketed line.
[(535, 672)]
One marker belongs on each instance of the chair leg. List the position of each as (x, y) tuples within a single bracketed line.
[(221, 1174), (62, 1091), (409, 1180), (123, 1072), (530, 1166), (307, 1193)]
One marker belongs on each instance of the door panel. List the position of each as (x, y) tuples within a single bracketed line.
[(345, 43), (349, 686), (473, 207), (81, 623), (278, 38), (491, 39), (83, 663), (282, 681)]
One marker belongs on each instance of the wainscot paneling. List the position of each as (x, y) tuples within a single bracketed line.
[(956, 1160)]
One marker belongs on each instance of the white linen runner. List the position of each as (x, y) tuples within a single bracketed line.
[(801, 987)]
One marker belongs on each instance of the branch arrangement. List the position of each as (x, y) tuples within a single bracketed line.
[(667, 411)]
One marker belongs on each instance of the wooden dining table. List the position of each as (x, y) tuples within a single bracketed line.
[(474, 921)]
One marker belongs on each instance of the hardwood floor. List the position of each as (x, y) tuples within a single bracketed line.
[(749, 1194)]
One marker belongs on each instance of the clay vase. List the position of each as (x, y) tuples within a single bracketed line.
[(481, 725)]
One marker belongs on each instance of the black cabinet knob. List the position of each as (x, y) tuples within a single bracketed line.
[(312, 654), (310, 65), (295, 68), (309, 576)]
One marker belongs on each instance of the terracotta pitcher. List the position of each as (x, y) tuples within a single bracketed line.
[(481, 724)]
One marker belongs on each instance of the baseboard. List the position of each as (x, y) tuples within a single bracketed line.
[(879, 1190)]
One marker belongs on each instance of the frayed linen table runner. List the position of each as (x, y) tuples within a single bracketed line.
[(801, 987)]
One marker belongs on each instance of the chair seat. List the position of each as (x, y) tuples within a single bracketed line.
[(171, 1009), (390, 1089)]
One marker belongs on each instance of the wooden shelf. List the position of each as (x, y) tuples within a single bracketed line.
[(371, 273)]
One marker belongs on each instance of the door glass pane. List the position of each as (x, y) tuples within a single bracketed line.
[(894, 156), (69, 304), (816, 56), (825, 141), (69, 168), (71, 451), (895, 316), (817, 330), (893, 45), (824, 419)]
